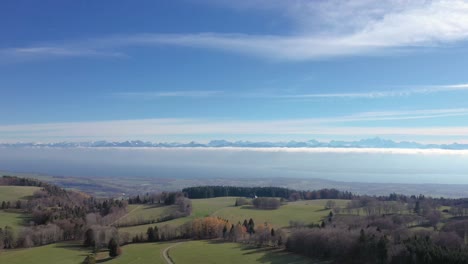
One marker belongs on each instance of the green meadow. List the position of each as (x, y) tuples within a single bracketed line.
[(201, 208), (14, 193), (63, 253), (137, 254), (214, 252), (311, 211)]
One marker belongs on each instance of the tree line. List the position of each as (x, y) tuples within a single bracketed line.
[(201, 192)]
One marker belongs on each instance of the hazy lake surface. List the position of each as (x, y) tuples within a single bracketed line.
[(362, 165)]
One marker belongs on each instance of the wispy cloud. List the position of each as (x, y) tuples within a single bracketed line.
[(165, 94), (409, 91), (322, 29), (41, 52), (380, 94), (333, 126)]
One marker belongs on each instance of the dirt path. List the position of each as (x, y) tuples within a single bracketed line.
[(125, 215), (165, 253)]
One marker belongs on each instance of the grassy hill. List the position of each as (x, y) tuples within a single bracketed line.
[(63, 253), (201, 208), (214, 252), (137, 253), (311, 211), (14, 193), (147, 213), (14, 218)]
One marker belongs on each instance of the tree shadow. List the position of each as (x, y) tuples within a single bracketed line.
[(70, 245), (281, 257), (152, 206), (104, 260)]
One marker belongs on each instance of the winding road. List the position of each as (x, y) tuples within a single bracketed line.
[(165, 253)]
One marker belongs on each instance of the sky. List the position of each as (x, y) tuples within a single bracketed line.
[(254, 70)]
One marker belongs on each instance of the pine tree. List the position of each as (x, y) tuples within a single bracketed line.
[(251, 226), (113, 248), (150, 234), (89, 238)]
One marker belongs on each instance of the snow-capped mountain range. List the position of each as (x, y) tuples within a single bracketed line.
[(363, 143)]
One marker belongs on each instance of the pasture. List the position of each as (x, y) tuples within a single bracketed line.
[(310, 211), (201, 208), (14, 193), (63, 253), (226, 253)]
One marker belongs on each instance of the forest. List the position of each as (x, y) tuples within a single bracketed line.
[(353, 228)]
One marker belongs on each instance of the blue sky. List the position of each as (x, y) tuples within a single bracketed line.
[(238, 70)]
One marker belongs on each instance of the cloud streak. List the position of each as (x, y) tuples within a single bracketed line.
[(147, 128), (322, 29), (383, 94), (166, 94), (355, 95)]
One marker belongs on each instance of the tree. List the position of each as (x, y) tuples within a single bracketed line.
[(382, 252), (8, 237), (156, 233), (150, 234), (114, 249), (224, 232), (89, 240), (251, 227), (417, 207)]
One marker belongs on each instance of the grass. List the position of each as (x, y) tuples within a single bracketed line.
[(137, 253), (63, 253), (201, 208), (14, 193), (310, 211), (144, 213), (213, 252), (11, 219)]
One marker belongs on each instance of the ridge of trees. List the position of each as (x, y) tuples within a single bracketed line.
[(200, 192)]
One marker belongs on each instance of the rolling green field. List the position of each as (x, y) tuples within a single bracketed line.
[(144, 213), (311, 211), (201, 208), (14, 193), (213, 252), (137, 254), (63, 253), (11, 219)]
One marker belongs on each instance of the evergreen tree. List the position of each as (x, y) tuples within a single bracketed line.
[(113, 248), (251, 227), (150, 234), (89, 240)]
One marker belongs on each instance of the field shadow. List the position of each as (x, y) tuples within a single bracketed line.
[(103, 260), (70, 246), (251, 207), (152, 206), (321, 210)]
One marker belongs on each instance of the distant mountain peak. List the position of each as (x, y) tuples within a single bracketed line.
[(375, 142)]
